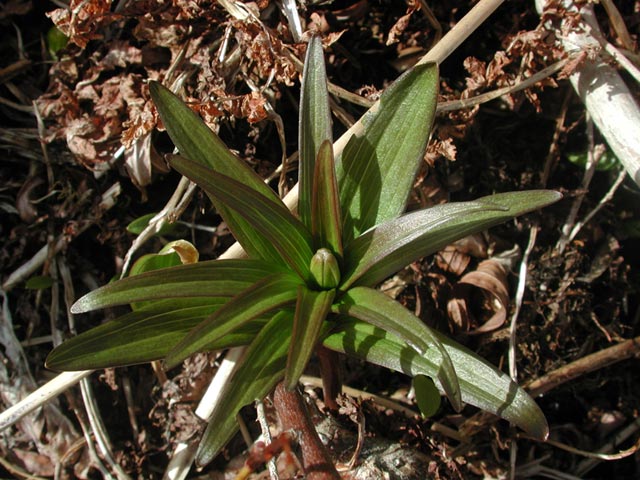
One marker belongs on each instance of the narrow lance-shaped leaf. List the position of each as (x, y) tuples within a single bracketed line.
[(326, 221), (314, 124), (259, 370), (271, 221), (311, 310), (377, 168), (196, 141), (481, 384), (387, 248), (263, 297), (376, 308), (139, 337), (215, 278)]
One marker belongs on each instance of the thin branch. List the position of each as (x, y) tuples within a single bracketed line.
[(606, 199), (266, 434), (584, 365), (594, 154), (39, 397)]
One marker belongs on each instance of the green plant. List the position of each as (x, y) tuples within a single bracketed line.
[(308, 280)]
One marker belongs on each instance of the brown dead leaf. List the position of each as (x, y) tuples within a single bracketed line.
[(253, 107), (478, 294), (137, 161), (81, 22), (26, 210), (401, 24), (453, 261)]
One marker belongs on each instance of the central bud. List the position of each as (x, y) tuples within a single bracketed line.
[(325, 269)]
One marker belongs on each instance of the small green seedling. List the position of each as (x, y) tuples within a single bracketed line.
[(309, 280)]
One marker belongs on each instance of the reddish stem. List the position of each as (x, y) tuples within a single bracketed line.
[(330, 373), (294, 416)]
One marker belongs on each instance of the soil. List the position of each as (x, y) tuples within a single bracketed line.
[(67, 114)]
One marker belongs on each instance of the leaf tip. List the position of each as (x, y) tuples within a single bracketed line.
[(80, 306)]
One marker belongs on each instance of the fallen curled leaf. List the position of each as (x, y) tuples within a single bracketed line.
[(478, 294), (452, 260), (24, 205)]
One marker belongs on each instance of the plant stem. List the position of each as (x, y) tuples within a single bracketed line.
[(330, 373), (294, 416)]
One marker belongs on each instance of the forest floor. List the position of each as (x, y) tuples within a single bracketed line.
[(82, 159)]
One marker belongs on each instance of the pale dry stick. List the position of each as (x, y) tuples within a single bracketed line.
[(522, 282), (69, 298), (30, 267), (185, 452), (617, 55), (606, 199), (618, 24), (266, 434), (609, 101), (594, 154), (181, 461), (492, 95), (99, 431), (607, 457), (513, 368), (158, 221), (90, 404), (39, 397), (595, 361), (458, 34), (293, 18), (65, 380)]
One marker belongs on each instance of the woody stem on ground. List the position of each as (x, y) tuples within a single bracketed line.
[(294, 415)]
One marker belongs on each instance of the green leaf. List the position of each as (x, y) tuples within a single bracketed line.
[(259, 370), (38, 282), (155, 261), (266, 295), (141, 336), (56, 41), (326, 222), (385, 249), (314, 124), (215, 278), (427, 395), (138, 225), (151, 262), (196, 142), (377, 168), (376, 308), (481, 384), (311, 310), (608, 161), (271, 222)]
